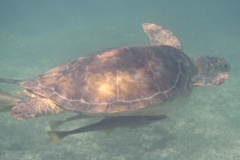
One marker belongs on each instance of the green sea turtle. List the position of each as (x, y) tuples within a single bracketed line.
[(134, 80)]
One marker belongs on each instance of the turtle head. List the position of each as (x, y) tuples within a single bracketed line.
[(210, 71)]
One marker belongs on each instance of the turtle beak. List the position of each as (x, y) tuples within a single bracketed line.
[(224, 75), (220, 78)]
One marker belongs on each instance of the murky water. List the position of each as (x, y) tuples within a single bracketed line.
[(36, 36)]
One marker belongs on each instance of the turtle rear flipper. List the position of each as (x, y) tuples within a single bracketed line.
[(11, 81), (6, 105), (160, 36), (34, 107), (7, 101)]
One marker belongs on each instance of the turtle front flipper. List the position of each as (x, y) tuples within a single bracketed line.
[(33, 107), (160, 36)]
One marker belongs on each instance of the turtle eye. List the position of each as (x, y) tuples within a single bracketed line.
[(226, 67)]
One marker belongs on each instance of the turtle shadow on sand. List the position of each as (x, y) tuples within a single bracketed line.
[(127, 81)]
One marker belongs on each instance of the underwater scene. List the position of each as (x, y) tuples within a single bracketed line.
[(37, 36)]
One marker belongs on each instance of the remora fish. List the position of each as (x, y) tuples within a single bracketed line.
[(107, 124)]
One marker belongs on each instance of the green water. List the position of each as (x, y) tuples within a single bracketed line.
[(36, 36)]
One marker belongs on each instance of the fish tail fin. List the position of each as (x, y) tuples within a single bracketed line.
[(55, 123), (56, 136)]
